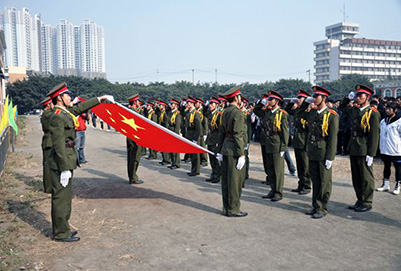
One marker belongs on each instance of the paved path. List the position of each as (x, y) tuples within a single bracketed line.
[(174, 222)]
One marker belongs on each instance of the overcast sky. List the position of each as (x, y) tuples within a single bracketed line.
[(254, 40)]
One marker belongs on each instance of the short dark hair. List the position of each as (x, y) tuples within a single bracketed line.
[(54, 100), (230, 100), (374, 103), (394, 106), (131, 103)]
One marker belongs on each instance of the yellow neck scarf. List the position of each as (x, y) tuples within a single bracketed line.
[(365, 120), (74, 118)]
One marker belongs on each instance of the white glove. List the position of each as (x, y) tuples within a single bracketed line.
[(369, 160), (207, 103), (65, 177), (110, 98), (264, 101), (310, 100), (294, 100), (328, 164), (219, 157), (241, 162), (194, 141), (247, 147), (282, 153), (351, 95), (204, 138)]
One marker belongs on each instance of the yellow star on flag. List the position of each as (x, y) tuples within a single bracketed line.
[(131, 122)]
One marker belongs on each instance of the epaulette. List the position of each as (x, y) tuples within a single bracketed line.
[(58, 111), (285, 112), (332, 112), (374, 109)]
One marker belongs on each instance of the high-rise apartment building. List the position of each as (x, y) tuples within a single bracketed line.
[(66, 49), (342, 53)]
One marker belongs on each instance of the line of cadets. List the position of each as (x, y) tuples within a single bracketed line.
[(224, 126), (315, 141)]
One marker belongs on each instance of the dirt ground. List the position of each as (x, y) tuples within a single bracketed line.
[(174, 222)]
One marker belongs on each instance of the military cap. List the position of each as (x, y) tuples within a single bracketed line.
[(214, 100), (245, 100), (200, 100), (265, 96), (303, 93), (133, 98), (46, 101), (174, 101), (222, 99), (275, 95), (163, 103), (58, 90), (364, 89), (150, 104), (318, 90), (191, 100), (140, 102), (232, 92)]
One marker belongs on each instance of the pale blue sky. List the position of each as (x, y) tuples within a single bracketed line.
[(250, 40)]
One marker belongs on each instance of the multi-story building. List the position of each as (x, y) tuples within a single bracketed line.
[(342, 53), (21, 33), (62, 50), (3, 48)]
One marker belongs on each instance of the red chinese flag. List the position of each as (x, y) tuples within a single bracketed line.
[(143, 131)]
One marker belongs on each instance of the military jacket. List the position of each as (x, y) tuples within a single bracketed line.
[(193, 125), (232, 132), (174, 123), (63, 155), (322, 139), (45, 120), (275, 128), (205, 122), (214, 124), (365, 131), (259, 111), (300, 125)]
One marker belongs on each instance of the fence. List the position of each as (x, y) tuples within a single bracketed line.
[(7, 139)]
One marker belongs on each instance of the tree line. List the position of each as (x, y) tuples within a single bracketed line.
[(27, 94)]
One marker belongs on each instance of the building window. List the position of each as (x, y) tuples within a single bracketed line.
[(387, 93), (398, 92)]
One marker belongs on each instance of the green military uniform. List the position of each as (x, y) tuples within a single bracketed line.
[(134, 153), (153, 117), (248, 123), (194, 130), (365, 134), (205, 128), (164, 119), (231, 144), (63, 157), (174, 124), (46, 147), (321, 146), (277, 135), (299, 144), (259, 111), (211, 141)]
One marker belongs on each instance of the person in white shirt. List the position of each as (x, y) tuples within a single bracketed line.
[(390, 147)]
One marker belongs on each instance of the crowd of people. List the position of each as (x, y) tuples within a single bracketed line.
[(361, 125)]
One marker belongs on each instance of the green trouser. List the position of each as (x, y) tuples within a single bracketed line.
[(152, 154), (187, 156), (362, 180), (214, 163), (166, 157), (47, 177), (175, 159), (264, 158), (322, 183), (203, 155), (61, 206), (195, 160), (302, 159), (143, 151), (275, 173), (133, 157), (232, 180)]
